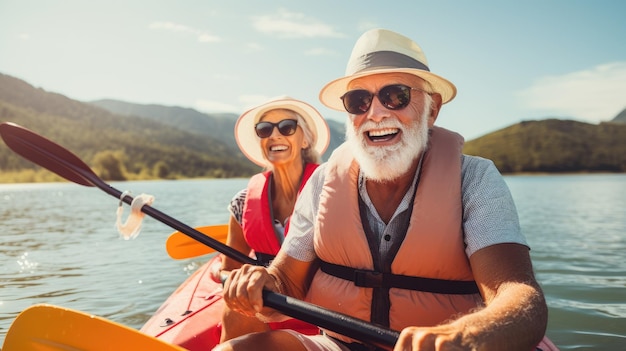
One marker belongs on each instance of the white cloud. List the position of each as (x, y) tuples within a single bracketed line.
[(24, 36), (201, 36), (293, 25), (207, 38), (254, 47), (597, 94), (365, 25), (170, 26)]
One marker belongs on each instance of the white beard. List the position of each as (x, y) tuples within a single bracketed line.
[(386, 163)]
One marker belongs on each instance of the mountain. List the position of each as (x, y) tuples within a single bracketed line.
[(140, 141), (620, 118), (554, 145), (122, 140), (218, 126), (137, 147)]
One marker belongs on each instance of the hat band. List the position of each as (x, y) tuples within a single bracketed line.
[(385, 59)]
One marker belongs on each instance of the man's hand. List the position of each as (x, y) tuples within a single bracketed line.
[(243, 290), (441, 338)]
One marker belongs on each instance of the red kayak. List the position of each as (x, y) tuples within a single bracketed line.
[(191, 316)]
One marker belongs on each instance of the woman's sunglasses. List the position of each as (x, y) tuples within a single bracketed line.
[(393, 97), (286, 127)]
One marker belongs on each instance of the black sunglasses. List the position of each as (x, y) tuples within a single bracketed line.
[(286, 127), (393, 97)]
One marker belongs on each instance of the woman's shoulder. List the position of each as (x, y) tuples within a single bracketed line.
[(241, 194), (236, 204)]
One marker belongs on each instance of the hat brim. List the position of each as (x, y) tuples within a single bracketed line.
[(249, 142), (331, 93)]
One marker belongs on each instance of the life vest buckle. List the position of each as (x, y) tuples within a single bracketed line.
[(368, 279)]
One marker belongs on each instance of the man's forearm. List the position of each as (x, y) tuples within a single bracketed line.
[(515, 319)]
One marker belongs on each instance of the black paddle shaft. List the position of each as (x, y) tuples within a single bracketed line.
[(338, 322), (59, 160)]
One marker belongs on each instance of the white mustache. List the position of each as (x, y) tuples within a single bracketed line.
[(384, 124), (386, 163)]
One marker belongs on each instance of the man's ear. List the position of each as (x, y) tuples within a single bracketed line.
[(435, 107)]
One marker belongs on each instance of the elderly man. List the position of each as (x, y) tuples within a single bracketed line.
[(399, 227)]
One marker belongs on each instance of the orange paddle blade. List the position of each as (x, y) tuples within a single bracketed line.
[(180, 246), (52, 328)]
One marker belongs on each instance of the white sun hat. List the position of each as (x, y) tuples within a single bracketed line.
[(249, 142), (383, 51)]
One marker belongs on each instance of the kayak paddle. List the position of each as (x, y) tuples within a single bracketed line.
[(53, 328), (55, 158), (180, 246)]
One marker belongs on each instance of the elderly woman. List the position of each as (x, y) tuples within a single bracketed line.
[(286, 137)]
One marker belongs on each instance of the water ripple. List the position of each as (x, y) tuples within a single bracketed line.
[(59, 246)]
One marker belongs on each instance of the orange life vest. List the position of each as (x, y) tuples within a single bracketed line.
[(432, 248)]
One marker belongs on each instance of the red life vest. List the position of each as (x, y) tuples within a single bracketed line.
[(258, 230), (257, 222)]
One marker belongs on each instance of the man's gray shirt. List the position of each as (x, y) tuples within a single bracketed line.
[(489, 213)]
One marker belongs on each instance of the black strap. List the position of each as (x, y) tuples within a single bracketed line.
[(382, 261), (372, 279), (381, 303)]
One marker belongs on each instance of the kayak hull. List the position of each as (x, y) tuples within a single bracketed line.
[(191, 315)]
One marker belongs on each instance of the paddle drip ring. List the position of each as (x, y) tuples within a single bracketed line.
[(131, 228)]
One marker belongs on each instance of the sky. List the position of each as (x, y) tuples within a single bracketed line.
[(511, 61)]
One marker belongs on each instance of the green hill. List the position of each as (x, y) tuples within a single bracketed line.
[(218, 126), (554, 146), (122, 140), (135, 147)]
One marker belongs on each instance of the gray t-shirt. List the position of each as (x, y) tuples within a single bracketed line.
[(489, 213)]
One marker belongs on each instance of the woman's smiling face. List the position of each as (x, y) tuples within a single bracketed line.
[(280, 149)]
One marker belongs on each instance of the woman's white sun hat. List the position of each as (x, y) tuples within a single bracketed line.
[(383, 51), (248, 141)]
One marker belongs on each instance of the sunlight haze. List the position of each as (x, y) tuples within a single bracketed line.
[(511, 61)]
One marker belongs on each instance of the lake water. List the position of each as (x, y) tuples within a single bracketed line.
[(59, 246)]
